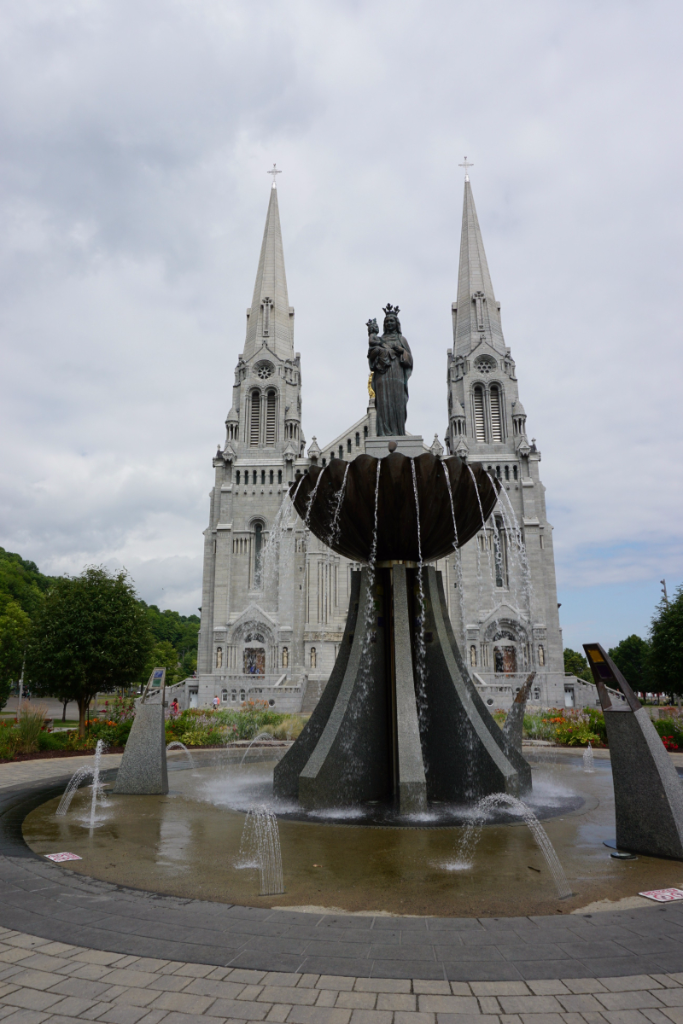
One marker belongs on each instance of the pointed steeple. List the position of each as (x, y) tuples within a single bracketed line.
[(270, 323), (478, 313)]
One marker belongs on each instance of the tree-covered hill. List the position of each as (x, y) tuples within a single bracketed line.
[(23, 590)]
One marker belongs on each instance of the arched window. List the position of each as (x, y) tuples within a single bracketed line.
[(233, 695), (541, 655), (279, 476), (258, 544), (237, 477), (263, 476), (341, 451), (514, 472), (219, 657), (270, 417), (314, 657), (500, 553), (507, 472), (357, 440), (479, 427), (496, 418), (285, 657), (348, 445), (365, 431), (473, 656), (255, 423), (224, 696)]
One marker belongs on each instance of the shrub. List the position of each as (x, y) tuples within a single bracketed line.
[(670, 730), (290, 728), (30, 722), (567, 726)]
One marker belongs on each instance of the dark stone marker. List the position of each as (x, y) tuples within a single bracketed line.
[(143, 770), (514, 723), (648, 795)]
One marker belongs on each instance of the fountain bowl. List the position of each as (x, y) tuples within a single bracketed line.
[(316, 499)]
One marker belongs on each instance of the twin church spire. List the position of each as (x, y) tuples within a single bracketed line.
[(270, 320), (477, 317)]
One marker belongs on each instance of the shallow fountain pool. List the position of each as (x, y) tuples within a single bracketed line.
[(188, 845)]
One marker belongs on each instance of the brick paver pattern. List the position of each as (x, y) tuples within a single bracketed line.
[(59, 983)]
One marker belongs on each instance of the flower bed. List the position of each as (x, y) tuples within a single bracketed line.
[(194, 728)]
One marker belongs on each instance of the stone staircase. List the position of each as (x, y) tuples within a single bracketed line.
[(314, 689)]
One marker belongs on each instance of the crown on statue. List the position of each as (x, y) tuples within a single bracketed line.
[(390, 310)]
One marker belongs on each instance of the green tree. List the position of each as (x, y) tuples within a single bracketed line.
[(631, 658), (576, 665), (163, 655), (666, 646), (90, 636), (15, 628), (21, 581)]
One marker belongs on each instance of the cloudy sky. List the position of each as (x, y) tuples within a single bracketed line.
[(135, 139)]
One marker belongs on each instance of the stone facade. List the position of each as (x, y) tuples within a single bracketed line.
[(275, 598)]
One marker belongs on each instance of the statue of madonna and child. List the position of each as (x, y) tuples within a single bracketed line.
[(391, 364)]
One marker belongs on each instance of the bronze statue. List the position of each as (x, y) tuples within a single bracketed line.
[(391, 363)]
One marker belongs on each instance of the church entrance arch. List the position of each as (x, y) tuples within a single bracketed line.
[(253, 644), (510, 647), (254, 660)]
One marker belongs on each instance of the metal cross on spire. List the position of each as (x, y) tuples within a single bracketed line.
[(466, 166), (275, 171)]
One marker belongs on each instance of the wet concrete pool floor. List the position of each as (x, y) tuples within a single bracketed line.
[(188, 845)]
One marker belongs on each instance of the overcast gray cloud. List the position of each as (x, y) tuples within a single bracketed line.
[(135, 140)]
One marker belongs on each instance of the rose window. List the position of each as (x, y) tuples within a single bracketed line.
[(485, 364), (264, 370)]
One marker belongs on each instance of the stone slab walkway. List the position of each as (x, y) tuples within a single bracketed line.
[(73, 948), (59, 983)]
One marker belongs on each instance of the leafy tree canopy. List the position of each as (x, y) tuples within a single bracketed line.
[(631, 658), (91, 635), (15, 629), (576, 665), (180, 630), (21, 582), (666, 646)]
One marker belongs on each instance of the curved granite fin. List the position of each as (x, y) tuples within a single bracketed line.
[(511, 752), (411, 781), (467, 755), (287, 771), (350, 762)]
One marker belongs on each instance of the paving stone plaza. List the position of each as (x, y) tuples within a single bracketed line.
[(74, 948)]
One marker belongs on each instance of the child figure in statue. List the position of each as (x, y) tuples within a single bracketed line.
[(391, 364)]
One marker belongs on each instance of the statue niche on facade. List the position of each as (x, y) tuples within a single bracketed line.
[(391, 364)]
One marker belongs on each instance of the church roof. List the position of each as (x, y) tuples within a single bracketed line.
[(270, 323), (478, 313)]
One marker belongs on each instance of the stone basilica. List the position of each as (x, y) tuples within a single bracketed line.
[(274, 598)]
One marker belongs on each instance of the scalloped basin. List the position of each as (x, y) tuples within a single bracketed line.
[(316, 498)]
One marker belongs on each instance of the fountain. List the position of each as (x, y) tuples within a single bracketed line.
[(77, 778), (473, 832), (399, 737), (588, 759), (399, 677), (177, 745), (261, 736), (260, 847)]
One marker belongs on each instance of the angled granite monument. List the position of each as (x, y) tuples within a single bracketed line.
[(514, 723), (648, 794), (143, 769), (400, 721)]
